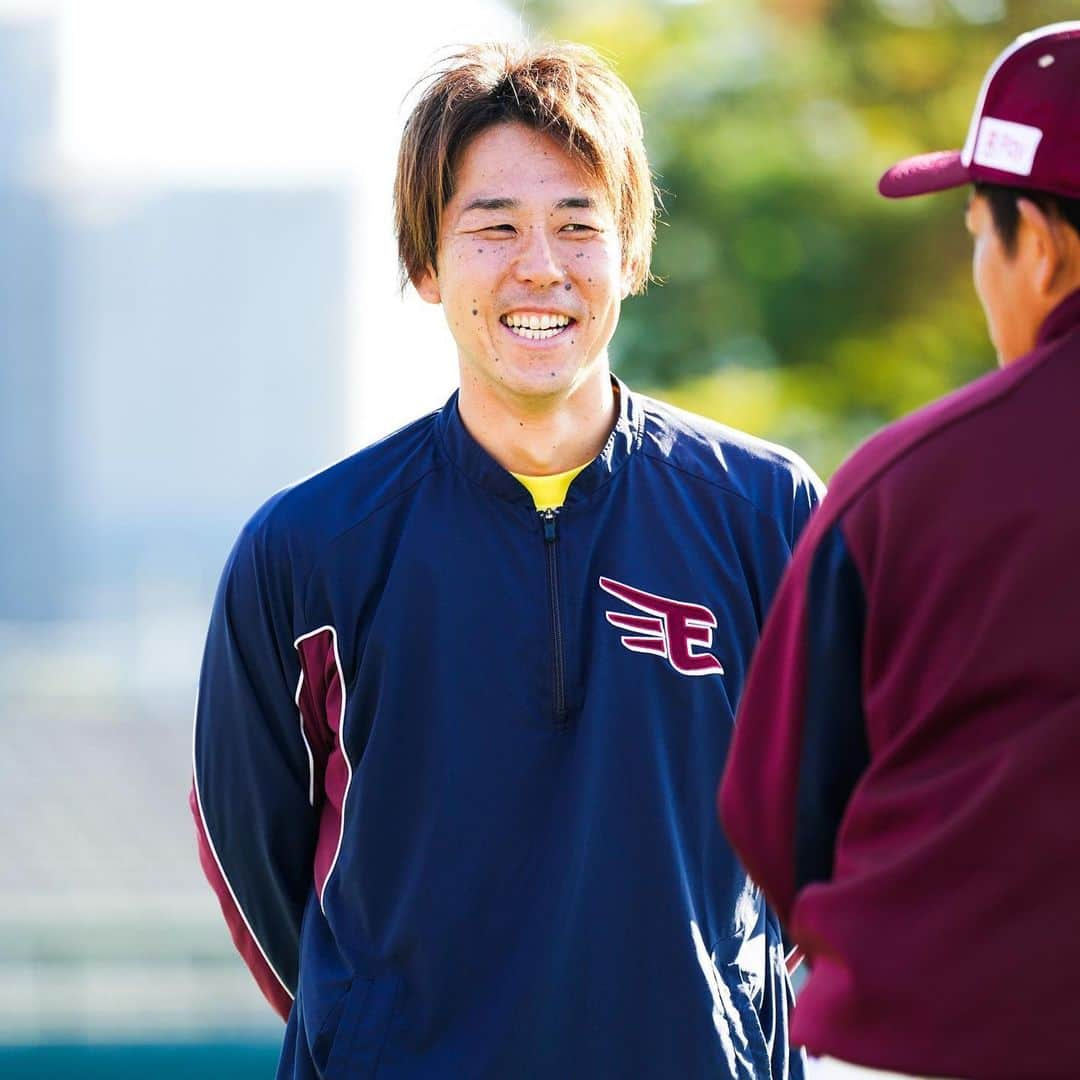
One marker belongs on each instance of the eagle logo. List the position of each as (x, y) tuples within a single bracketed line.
[(678, 631)]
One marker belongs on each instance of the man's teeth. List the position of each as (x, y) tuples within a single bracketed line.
[(536, 327), (536, 322)]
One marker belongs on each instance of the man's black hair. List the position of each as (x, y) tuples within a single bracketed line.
[(1006, 214)]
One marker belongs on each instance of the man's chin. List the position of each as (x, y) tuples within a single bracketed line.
[(547, 383)]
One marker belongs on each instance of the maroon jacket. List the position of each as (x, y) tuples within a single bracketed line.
[(904, 782)]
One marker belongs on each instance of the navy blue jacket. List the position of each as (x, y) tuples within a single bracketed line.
[(455, 760)]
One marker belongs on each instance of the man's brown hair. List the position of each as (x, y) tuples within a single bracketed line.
[(566, 91)]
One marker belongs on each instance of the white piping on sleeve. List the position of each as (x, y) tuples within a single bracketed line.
[(303, 734)]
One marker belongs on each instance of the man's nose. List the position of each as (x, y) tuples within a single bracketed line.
[(537, 264)]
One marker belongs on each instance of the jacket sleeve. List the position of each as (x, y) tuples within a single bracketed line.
[(800, 742), (252, 794)]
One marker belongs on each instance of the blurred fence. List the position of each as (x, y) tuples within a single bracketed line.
[(114, 959)]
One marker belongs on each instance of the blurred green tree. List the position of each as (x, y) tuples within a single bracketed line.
[(793, 300)]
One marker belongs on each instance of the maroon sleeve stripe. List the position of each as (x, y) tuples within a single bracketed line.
[(321, 700), (269, 982)]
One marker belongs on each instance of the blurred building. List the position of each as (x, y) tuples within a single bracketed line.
[(33, 519), (205, 331), (167, 360)]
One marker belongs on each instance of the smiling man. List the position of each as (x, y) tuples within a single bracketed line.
[(530, 276), (467, 694), (905, 781)]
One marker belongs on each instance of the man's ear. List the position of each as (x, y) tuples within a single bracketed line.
[(1041, 242), (427, 285)]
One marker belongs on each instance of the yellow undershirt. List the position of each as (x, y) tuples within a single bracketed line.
[(548, 492)]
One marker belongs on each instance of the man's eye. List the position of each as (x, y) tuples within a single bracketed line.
[(578, 227), (504, 228)]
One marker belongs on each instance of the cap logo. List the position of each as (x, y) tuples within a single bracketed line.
[(1006, 146)]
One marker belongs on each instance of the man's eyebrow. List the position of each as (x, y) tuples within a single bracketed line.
[(491, 204), (573, 202)]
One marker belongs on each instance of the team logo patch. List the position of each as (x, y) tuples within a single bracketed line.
[(1007, 146), (673, 629)]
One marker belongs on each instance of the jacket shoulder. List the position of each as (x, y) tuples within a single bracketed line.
[(300, 520), (916, 447), (769, 477)]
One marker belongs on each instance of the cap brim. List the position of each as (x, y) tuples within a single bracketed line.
[(925, 173)]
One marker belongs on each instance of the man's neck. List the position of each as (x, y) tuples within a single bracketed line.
[(541, 436)]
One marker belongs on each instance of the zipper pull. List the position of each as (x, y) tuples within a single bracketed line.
[(549, 517)]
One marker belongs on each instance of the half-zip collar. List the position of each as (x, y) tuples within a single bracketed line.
[(469, 456)]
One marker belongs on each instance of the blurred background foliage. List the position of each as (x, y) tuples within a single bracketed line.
[(794, 301)]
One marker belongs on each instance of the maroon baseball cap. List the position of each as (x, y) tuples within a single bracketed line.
[(1025, 131)]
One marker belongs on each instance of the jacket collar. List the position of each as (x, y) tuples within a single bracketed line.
[(473, 460), (1065, 317)]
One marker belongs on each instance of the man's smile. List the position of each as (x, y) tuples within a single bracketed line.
[(536, 325)]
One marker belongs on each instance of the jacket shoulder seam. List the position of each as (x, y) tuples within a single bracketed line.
[(324, 548), (714, 483)]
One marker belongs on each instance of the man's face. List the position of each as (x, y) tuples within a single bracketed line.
[(1003, 284), (529, 268)]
